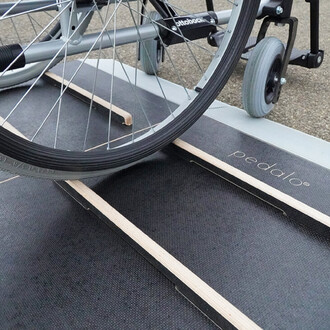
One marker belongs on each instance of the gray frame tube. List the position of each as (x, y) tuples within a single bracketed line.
[(47, 50)]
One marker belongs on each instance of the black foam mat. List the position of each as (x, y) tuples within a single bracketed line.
[(297, 177), (63, 269), (274, 271)]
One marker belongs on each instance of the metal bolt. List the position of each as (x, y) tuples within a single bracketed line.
[(319, 60), (212, 21), (174, 28), (283, 81), (276, 79), (279, 10)]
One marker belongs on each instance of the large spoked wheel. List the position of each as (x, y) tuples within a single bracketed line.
[(262, 77), (56, 146)]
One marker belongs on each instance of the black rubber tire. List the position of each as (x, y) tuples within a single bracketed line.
[(24, 157)]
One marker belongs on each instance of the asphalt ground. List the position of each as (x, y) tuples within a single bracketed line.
[(305, 99)]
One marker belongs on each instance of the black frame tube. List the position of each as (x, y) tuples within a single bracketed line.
[(314, 25), (209, 5)]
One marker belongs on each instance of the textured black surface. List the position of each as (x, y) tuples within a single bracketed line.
[(63, 269), (271, 269), (207, 134), (310, 183)]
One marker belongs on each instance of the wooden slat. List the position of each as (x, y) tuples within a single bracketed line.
[(11, 128), (127, 117), (184, 275), (264, 187), (228, 311), (10, 179)]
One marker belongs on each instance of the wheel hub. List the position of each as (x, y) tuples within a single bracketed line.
[(273, 81)]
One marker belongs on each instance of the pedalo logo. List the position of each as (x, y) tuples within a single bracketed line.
[(272, 169)]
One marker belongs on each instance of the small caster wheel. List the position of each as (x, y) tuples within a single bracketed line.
[(262, 77), (151, 51)]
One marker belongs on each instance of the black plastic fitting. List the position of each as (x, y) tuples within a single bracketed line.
[(8, 54)]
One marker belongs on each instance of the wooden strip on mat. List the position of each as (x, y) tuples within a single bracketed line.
[(10, 179), (11, 128), (198, 286), (73, 87), (277, 194)]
